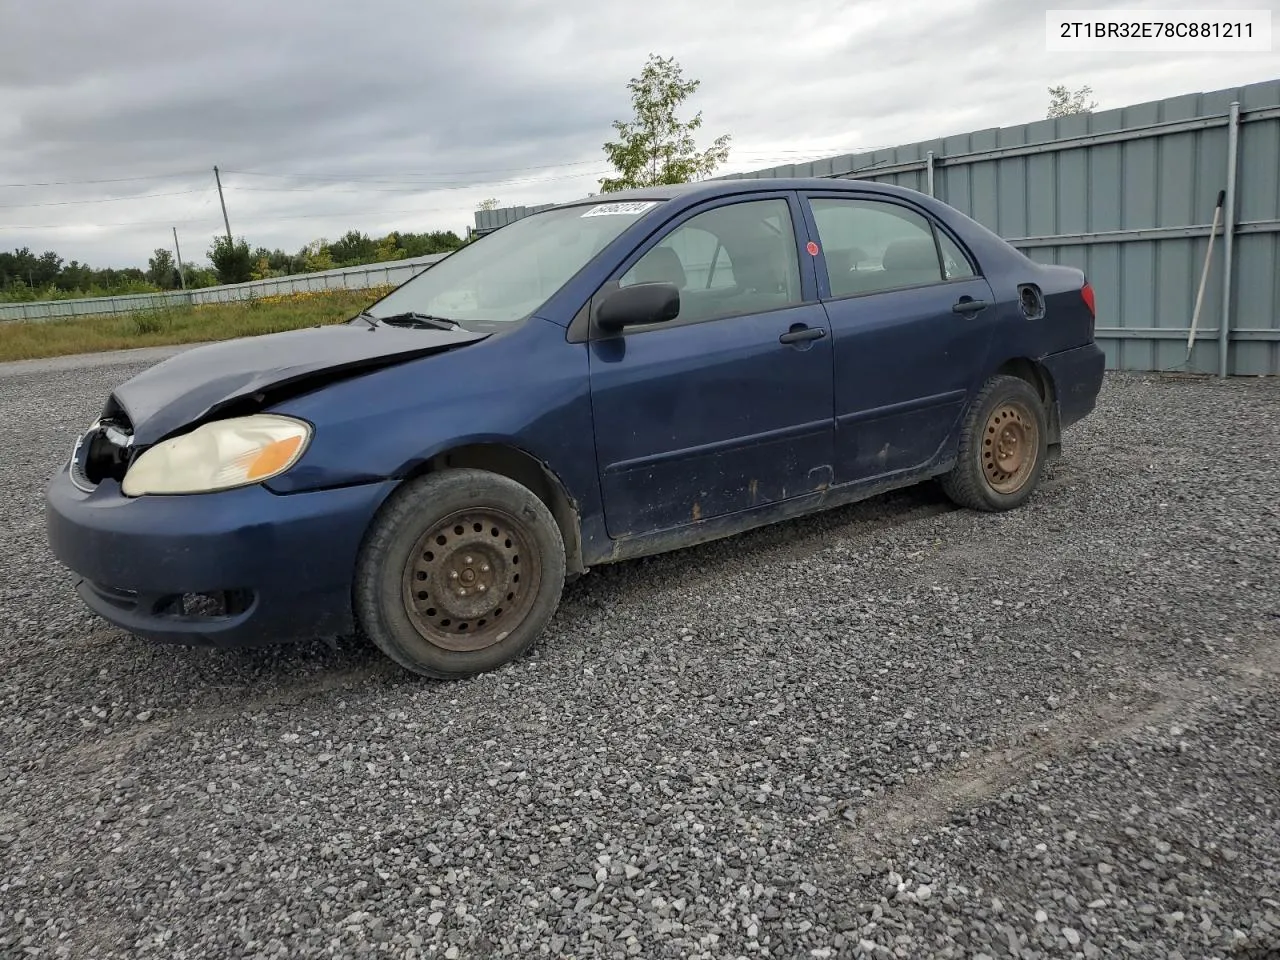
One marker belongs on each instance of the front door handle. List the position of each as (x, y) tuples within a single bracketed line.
[(968, 305), (804, 333)]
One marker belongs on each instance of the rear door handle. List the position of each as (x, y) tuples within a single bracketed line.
[(804, 333), (966, 305)]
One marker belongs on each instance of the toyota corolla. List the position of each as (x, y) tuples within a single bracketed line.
[(599, 381)]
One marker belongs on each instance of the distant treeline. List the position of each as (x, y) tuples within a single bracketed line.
[(26, 276)]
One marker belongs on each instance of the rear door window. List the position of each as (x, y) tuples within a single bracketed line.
[(871, 245)]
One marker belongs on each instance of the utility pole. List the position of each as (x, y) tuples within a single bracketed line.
[(182, 280), (225, 221)]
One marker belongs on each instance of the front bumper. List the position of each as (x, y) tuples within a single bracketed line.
[(237, 568)]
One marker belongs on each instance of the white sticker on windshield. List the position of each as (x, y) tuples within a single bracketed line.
[(613, 209)]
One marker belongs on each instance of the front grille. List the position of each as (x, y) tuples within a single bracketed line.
[(205, 605)]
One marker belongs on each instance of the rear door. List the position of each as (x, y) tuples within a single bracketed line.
[(911, 332), (728, 406)]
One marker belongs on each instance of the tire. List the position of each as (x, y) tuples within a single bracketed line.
[(459, 573), (1006, 410)]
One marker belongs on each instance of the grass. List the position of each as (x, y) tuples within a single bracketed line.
[(29, 340)]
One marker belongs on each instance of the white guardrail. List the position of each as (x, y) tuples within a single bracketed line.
[(388, 273)]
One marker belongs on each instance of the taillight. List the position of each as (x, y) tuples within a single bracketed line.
[(1086, 293)]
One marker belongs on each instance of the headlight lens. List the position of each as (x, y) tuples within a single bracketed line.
[(219, 455)]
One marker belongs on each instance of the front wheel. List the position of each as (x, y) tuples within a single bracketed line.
[(1003, 446), (460, 572)]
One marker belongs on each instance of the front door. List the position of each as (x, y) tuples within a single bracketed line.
[(906, 356), (728, 406)]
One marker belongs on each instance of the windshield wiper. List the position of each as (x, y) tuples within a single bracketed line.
[(412, 319)]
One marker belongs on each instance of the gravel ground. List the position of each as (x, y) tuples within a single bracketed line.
[(896, 730)]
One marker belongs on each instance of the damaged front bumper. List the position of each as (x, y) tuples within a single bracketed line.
[(242, 567)]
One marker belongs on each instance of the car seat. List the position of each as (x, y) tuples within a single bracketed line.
[(660, 265), (909, 263)]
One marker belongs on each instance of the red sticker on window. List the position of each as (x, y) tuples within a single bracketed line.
[(812, 248)]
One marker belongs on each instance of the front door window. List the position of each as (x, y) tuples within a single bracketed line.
[(732, 260)]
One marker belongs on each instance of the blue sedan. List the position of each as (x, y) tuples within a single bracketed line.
[(603, 380)]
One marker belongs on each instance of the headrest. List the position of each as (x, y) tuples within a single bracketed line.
[(757, 267), (918, 254), (842, 261), (660, 265)]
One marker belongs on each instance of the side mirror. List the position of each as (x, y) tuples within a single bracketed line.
[(637, 304)]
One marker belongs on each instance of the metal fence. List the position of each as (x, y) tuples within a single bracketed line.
[(1128, 195), (388, 273), (488, 221)]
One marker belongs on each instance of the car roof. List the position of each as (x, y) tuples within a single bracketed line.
[(712, 188)]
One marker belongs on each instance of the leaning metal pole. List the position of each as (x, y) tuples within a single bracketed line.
[(1228, 238)]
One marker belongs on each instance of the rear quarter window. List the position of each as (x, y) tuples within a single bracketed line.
[(955, 264)]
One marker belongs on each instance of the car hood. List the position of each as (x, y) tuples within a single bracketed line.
[(202, 381)]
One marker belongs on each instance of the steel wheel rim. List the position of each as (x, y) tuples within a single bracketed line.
[(471, 579), (1010, 447)]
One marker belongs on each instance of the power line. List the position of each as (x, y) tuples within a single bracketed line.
[(196, 206), (64, 183), (349, 213), (409, 177), (424, 185), (82, 226), (434, 177), (416, 188), (143, 223), (437, 173), (407, 186), (65, 203)]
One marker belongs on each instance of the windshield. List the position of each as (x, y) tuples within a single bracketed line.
[(508, 274)]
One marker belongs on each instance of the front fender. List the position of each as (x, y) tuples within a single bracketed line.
[(528, 390)]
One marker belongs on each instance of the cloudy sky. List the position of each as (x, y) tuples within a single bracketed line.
[(405, 114)]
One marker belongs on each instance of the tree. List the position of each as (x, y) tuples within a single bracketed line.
[(490, 204), (196, 277), (47, 267), (655, 147), (17, 268), (161, 269), (421, 244), (388, 249), (26, 276), (353, 248), (232, 261), (1064, 103), (75, 276), (315, 256)]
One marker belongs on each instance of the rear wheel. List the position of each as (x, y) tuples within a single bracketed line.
[(459, 574), (1003, 446)]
